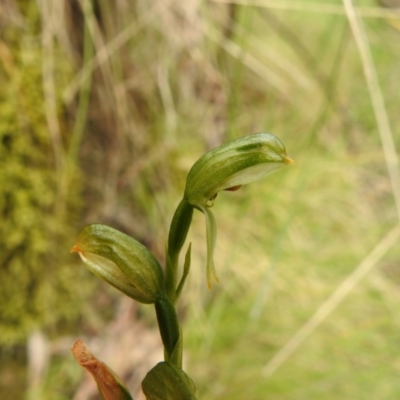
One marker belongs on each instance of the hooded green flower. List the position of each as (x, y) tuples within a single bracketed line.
[(122, 262), (234, 164), (228, 167)]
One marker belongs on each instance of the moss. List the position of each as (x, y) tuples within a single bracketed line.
[(38, 284)]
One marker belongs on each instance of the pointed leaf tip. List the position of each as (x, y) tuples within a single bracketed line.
[(108, 383)]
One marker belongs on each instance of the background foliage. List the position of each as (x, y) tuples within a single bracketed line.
[(104, 106)]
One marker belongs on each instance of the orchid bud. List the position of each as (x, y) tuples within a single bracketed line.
[(228, 167), (122, 262)]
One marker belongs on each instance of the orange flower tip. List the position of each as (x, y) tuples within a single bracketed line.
[(76, 249), (82, 353), (288, 160)]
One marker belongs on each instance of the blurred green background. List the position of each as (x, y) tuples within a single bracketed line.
[(104, 107)]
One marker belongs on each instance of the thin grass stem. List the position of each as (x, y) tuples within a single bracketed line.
[(110, 48), (377, 100), (317, 7), (326, 308), (49, 92)]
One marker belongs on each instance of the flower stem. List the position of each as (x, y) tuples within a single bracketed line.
[(170, 331), (177, 235)]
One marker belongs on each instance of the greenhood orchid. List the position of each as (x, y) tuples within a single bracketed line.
[(227, 167), (242, 161), (121, 261), (130, 267)]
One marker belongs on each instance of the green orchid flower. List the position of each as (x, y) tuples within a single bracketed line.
[(240, 162), (121, 261), (226, 167)]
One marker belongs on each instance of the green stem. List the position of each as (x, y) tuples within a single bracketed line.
[(177, 235), (170, 331)]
